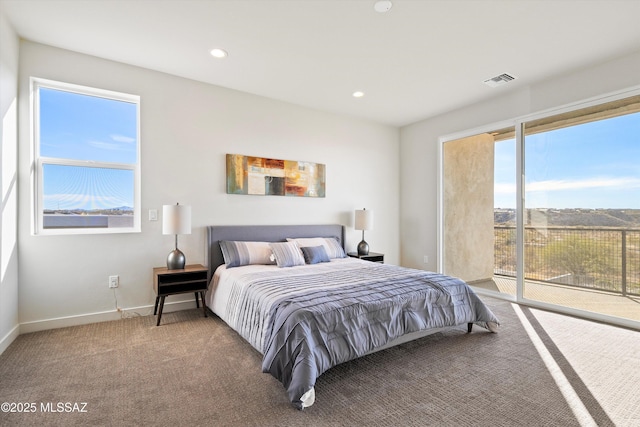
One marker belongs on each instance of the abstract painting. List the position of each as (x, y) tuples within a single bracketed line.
[(272, 177)]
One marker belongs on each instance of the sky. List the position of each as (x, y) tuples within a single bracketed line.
[(81, 127), (593, 165)]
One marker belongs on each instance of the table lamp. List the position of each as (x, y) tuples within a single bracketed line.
[(364, 221), (176, 219)]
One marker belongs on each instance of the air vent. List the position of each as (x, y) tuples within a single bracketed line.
[(499, 80)]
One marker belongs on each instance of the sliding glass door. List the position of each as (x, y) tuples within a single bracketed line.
[(582, 210), (573, 240)]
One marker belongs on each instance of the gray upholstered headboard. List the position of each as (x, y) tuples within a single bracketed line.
[(263, 233)]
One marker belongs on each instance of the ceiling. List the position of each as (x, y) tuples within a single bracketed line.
[(418, 60)]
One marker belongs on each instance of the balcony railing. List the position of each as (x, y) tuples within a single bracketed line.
[(606, 259)]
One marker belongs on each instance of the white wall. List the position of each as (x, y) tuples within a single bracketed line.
[(9, 328), (419, 143), (187, 128)]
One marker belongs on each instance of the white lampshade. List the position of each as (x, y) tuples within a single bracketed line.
[(364, 220), (176, 219)]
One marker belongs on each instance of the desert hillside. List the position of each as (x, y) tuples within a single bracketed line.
[(621, 218)]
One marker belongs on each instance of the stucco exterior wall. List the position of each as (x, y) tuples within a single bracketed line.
[(468, 207)]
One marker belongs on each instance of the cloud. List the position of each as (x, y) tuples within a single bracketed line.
[(502, 188), (620, 183), (562, 184), (120, 142), (122, 138), (105, 145)]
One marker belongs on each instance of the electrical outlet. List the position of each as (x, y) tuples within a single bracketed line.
[(114, 281), (426, 259)]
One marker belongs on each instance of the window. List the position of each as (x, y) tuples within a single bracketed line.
[(86, 159)]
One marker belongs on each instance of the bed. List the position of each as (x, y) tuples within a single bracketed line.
[(294, 295)]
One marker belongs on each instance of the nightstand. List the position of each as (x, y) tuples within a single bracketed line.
[(371, 256), (192, 278)]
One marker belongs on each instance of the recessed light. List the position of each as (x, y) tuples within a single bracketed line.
[(358, 94), (382, 6), (218, 53)]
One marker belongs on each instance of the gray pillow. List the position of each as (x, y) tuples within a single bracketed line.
[(314, 254)]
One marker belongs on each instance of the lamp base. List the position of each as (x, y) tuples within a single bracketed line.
[(176, 260), (363, 248)]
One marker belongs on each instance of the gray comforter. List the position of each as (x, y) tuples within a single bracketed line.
[(316, 320)]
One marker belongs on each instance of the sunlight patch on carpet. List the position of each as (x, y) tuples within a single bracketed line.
[(573, 400)]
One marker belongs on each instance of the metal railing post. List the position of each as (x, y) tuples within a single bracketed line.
[(624, 263)]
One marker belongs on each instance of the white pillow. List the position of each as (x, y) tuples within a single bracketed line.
[(287, 254), (331, 245), (237, 254)]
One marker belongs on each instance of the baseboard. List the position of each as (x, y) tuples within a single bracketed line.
[(104, 316), (6, 341)]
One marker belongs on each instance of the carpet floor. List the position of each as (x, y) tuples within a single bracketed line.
[(542, 369)]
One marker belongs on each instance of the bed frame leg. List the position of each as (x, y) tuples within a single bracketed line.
[(469, 327)]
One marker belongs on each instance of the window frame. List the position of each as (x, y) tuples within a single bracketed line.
[(38, 162)]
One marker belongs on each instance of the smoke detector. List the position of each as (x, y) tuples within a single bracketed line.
[(382, 6), (499, 80)]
